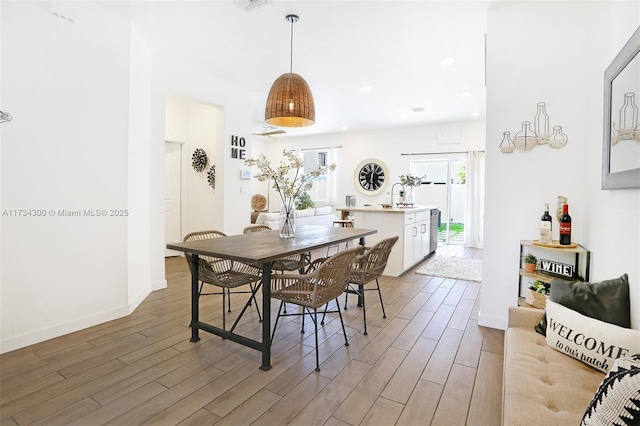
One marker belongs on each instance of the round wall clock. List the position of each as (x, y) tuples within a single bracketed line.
[(371, 176), (199, 160)]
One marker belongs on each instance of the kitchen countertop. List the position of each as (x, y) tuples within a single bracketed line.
[(380, 209)]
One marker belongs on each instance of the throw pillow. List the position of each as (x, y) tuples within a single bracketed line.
[(594, 342), (323, 210), (617, 400), (606, 301), (311, 211)]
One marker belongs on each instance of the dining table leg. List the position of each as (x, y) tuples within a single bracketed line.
[(195, 309), (266, 316)]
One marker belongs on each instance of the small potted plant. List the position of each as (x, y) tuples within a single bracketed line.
[(530, 262), (537, 294)]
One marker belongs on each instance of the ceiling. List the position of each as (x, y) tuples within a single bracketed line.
[(395, 47)]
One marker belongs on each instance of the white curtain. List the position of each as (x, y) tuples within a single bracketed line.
[(474, 216)]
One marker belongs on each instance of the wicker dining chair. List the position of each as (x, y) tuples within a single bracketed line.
[(296, 262), (314, 290), (226, 274), (367, 267)]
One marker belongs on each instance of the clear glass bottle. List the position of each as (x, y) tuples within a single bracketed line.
[(526, 138), (557, 138), (506, 145), (541, 124), (628, 116)]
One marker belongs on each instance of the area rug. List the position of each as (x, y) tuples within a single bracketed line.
[(453, 267)]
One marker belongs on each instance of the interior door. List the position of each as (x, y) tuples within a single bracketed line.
[(172, 198)]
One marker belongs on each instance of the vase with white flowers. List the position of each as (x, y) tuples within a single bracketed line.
[(291, 182), (409, 182)]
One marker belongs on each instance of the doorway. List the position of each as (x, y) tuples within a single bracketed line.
[(445, 185), (173, 195)]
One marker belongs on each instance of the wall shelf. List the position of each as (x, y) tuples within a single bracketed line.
[(579, 257)]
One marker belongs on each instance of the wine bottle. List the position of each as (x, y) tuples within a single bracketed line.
[(545, 226), (565, 226)]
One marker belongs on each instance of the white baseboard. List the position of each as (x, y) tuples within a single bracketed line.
[(492, 322), (158, 285), (17, 342)]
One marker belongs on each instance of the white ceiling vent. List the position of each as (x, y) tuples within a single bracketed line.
[(251, 4)]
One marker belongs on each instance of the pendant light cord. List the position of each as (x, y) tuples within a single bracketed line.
[(291, 49)]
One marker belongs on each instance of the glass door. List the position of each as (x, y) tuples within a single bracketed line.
[(445, 187)]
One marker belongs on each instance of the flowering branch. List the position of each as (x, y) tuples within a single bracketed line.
[(288, 189), (411, 180)]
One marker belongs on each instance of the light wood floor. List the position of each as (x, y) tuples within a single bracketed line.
[(428, 362)]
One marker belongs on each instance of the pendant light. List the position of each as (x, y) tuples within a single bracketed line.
[(290, 102)]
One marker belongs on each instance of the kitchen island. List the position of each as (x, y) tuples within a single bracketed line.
[(416, 226)]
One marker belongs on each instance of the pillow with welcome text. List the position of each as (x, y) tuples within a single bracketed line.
[(595, 343)]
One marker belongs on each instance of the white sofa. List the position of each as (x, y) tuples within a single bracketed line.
[(320, 216)]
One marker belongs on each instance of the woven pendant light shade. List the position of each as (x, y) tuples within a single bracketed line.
[(290, 102)]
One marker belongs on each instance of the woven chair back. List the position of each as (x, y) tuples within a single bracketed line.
[(255, 228), (332, 275), (219, 266), (370, 265), (221, 272)]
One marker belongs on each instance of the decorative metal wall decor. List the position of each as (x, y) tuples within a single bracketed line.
[(507, 145), (4, 116), (528, 138), (199, 160), (211, 176)]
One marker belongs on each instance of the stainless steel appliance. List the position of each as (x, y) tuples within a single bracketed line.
[(435, 223)]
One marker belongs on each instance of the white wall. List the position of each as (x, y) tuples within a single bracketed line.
[(88, 100), (553, 52), (204, 92), (139, 171), (386, 145), (194, 124), (67, 86)]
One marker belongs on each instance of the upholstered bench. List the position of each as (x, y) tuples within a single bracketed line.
[(575, 363), (542, 386)]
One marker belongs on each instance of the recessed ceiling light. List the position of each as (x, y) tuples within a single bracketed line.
[(365, 88), (475, 114), (345, 127), (465, 93), (447, 61), (402, 114)]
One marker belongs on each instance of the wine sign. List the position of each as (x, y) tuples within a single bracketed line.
[(558, 269)]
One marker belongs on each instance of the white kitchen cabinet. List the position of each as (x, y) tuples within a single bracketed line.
[(412, 226)]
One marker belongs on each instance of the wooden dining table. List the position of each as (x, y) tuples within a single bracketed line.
[(260, 249)]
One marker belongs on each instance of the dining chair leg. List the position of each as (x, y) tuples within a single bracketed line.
[(246, 306), (224, 314), (344, 331), (364, 314), (273, 333), (384, 315), (304, 312), (229, 298), (315, 322), (254, 290)]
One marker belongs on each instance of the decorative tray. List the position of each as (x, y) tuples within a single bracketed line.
[(554, 244)]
